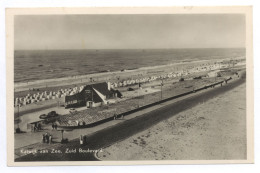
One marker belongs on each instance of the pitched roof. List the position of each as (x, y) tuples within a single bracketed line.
[(101, 87), (83, 96)]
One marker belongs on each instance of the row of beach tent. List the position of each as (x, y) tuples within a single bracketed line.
[(51, 95)]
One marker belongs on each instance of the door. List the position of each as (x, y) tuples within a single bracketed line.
[(89, 104)]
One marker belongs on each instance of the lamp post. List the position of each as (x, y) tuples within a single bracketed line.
[(138, 90), (161, 88), (18, 130), (62, 131), (18, 115), (92, 95)]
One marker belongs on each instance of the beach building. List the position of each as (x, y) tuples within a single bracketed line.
[(92, 96)]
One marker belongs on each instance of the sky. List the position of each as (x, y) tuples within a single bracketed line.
[(163, 31)]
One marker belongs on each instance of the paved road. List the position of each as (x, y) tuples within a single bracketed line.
[(121, 131)]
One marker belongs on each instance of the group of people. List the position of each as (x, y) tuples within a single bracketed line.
[(116, 116), (54, 126), (36, 127), (47, 138)]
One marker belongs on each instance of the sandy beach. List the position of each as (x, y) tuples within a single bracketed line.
[(142, 129), (150, 92), (215, 129)]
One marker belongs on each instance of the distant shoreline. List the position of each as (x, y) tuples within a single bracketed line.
[(40, 66), (185, 61), (107, 73)]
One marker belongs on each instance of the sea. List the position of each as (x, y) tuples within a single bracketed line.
[(33, 65)]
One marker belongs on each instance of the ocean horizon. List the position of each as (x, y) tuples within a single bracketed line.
[(33, 65)]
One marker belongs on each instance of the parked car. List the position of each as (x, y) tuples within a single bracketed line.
[(43, 116), (51, 114), (73, 110)]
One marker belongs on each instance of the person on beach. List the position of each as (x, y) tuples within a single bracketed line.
[(39, 127), (36, 127), (50, 139), (47, 137), (43, 138), (55, 126)]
